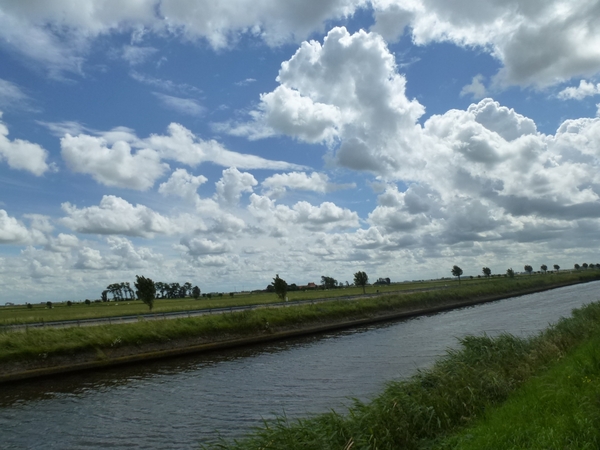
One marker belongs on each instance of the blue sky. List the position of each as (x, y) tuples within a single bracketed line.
[(222, 143)]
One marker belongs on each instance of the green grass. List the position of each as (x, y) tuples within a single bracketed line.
[(557, 410), (20, 314), (420, 412)]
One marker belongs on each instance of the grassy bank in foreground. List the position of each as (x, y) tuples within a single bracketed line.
[(560, 409), (459, 389), (39, 344)]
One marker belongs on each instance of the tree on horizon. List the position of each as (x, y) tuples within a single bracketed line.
[(145, 290), (361, 279), (279, 286), (457, 272)]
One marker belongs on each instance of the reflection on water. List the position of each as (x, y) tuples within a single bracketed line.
[(180, 402)]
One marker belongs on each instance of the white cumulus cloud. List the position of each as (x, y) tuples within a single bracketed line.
[(112, 166), (22, 155), (585, 89), (233, 184), (115, 215)]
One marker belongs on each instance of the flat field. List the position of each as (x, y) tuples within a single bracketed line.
[(20, 314)]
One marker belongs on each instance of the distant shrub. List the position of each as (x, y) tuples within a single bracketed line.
[(29, 306), (87, 301), (49, 304), (69, 303)]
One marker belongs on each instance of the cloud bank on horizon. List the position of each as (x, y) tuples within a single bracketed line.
[(223, 143)]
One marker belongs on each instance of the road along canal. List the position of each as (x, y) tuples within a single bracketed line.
[(179, 403)]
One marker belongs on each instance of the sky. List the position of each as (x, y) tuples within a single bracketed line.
[(221, 143)]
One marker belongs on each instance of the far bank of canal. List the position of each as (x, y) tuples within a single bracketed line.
[(46, 352), (180, 402)]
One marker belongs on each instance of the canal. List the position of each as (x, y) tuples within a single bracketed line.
[(180, 403)]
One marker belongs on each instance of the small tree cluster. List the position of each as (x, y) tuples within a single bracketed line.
[(328, 282)]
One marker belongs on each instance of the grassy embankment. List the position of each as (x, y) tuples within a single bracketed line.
[(38, 344), (551, 382), (20, 314)]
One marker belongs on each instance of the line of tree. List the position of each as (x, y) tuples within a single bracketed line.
[(457, 271), (123, 291), (173, 290), (119, 291)]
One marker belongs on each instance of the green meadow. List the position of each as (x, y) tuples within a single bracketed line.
[(34, 343), (20, 314)]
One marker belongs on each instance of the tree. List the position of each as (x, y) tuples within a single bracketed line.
[(161, 287), (129, 291), (361, 279), (196, 292), (145, 290), (457, 272), (49, 304), (486, 271), (88, 301), (279, 286), (528, 269), (69, 303), (328, 282), (585, 266), (510, 273), (556, 267), (577, 266), (544, 267)]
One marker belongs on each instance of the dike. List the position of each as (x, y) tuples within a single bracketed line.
[(146, 352)]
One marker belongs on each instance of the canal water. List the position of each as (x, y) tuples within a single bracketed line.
[(181, 403)]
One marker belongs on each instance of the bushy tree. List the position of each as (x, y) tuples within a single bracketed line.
[(279, 286), (145, 290), (486, 271), (556, 267), (577, 266), (361, 279), (510, 273), (196, 292), (457, 272), (544, 267), (585, 266), (328, 282), (528, 269)]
